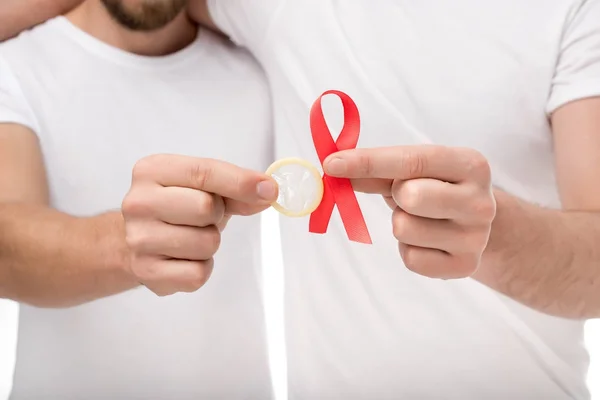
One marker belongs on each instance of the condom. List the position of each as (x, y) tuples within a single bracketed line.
[(300, 186)]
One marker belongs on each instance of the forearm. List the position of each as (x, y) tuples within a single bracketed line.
[(19, 15), (546, 259), (50, 259)]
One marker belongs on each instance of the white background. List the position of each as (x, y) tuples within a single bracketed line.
[(9, 313)]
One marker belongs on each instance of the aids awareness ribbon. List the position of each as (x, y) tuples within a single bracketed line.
[(337, 191)]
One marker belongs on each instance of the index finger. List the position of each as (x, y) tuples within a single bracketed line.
[(449, 164), (209, 175)]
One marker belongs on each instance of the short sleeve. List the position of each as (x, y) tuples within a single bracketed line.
[(14, 107), (246, 22), (577, 74)]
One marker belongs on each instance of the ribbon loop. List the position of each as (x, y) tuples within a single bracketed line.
[(337, 191)]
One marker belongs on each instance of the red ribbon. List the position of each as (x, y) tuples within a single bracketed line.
[(337, 190)]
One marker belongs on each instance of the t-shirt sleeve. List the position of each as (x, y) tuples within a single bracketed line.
[(246, 22), (577, 74), (14, 107)]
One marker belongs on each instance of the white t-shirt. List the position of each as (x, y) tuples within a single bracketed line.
[(481, 74), (97, 110)]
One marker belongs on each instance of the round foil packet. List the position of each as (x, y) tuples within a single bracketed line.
[(300, 186)]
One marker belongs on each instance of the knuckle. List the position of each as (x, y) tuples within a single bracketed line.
[(409, 195), (199, 276), (222, 224), (136, 240), (478, 166), (217, 209), (391, 203), (415, 163), (135, 205), (209, 265), (212, 239), (421, 266), (206, 204), (463, 266), (144, 167), (366, 164), (410, 257), (400, 225), (200, 174), (484, 208), (241, 182), (476, 242), (423, 262)]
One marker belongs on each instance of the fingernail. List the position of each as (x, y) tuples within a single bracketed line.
[(267, 190), (335, 166)]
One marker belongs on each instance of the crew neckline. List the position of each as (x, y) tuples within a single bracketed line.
[(92, 44)]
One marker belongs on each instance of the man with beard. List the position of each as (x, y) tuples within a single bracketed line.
[(85, 100)]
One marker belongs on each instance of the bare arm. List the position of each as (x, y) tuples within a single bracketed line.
[(19, 15), (450, 223), (47, 258), (550, 259)]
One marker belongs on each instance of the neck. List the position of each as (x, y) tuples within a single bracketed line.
[(93, 18)]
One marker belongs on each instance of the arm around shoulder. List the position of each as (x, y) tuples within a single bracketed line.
[(19, 15)]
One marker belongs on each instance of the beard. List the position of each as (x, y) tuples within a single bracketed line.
[(144, 15)]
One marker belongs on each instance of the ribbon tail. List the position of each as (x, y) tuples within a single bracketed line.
[(350, 212), (319, 219)]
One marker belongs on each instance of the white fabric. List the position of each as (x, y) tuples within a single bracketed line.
[(482, 74), (97, 110)]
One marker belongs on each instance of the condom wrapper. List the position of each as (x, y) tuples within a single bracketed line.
[(299, 192)]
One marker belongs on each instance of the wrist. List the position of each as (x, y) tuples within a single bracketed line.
[(519, 232), (109, 236), (507, 238)]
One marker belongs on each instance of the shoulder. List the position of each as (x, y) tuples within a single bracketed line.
[(230, 57), (29, 46), (245, 22), (14, 106), (236, 78), (24, 59)]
